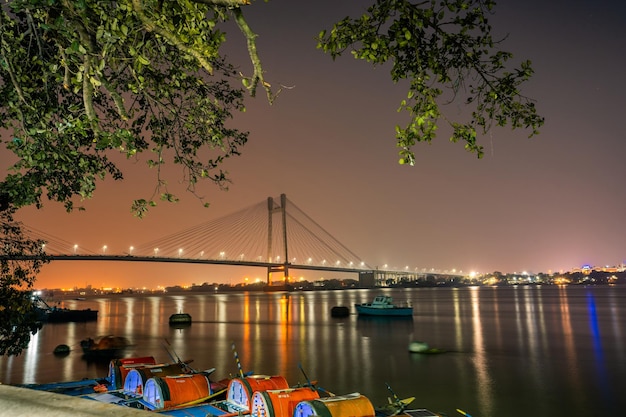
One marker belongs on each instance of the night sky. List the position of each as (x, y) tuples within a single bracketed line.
[(553, 202)]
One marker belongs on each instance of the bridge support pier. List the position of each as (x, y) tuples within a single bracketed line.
[(271, 209)]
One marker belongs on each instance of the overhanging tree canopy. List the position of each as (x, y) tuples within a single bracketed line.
[(81, 79)]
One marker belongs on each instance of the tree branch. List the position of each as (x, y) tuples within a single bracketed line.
[(257, 76), (151, 26)]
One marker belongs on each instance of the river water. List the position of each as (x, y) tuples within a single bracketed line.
[(511, 351)]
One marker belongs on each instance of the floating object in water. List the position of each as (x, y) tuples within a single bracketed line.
[(340, 311), (107, 347), (422, 347), (180, 319), (61, 350)]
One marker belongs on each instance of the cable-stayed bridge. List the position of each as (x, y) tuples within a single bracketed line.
[(273, 234)]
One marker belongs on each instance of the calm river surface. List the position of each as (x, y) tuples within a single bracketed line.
[(513, 351)]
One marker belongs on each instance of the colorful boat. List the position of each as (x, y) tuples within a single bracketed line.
[(240, 391), (138, 377), (383, 305), (119, 369), (171, 392), (280, 403), (72, 388), (251, 395), (348, 405)]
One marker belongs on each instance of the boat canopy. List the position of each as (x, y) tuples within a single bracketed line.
[(240, 390), (278, 403), (162, 393), (348, 405)]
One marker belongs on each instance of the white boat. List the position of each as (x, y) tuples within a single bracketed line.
[(383, 305)]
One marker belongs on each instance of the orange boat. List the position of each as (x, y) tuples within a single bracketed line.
[(349, 405), (280, 403), (119, 368), (240, 391), (163, 393), (136, 379)]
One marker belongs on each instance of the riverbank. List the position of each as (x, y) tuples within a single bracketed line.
[(23, 402)]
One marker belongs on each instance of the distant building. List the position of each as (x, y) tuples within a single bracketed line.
[(367, 279)]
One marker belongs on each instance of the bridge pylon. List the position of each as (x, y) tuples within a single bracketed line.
[(271, 209)]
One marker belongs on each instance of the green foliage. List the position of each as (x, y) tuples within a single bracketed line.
[(20, 261), (81, 80), (439, 47)]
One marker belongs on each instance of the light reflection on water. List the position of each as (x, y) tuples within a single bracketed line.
[(483, 377), (513, 351)]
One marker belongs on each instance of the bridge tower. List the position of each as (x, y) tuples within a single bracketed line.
[(271, 209)]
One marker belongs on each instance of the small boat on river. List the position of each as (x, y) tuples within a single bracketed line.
[(107, 347), (383, 305), (48, 314)]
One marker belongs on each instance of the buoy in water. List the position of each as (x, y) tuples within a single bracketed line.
[(340, 311), (61, 350), (418, 347)]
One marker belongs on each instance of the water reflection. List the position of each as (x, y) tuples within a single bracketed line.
[(483, 378), (561, 347)]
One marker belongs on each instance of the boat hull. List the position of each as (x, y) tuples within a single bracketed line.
[(384, 312), (58, 315)]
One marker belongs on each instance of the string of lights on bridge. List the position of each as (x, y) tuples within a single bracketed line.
[(232, 238)]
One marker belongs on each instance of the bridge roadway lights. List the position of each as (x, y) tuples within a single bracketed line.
[(24, 402)]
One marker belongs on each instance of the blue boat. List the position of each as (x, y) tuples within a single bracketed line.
[(73, 388), (383, 305)]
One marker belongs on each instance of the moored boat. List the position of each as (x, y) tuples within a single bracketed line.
[(47, 314), (137, 378), (383, 305), (120, 367), (72, 388), (280, 403), (170, 392), (107, 347), (354, 404)]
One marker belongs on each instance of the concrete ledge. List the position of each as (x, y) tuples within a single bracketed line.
[(24, 402)]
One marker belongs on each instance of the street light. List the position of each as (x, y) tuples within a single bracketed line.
[(130, 252), (104, 249), (156, 252), (75, 248), (180, 252)]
